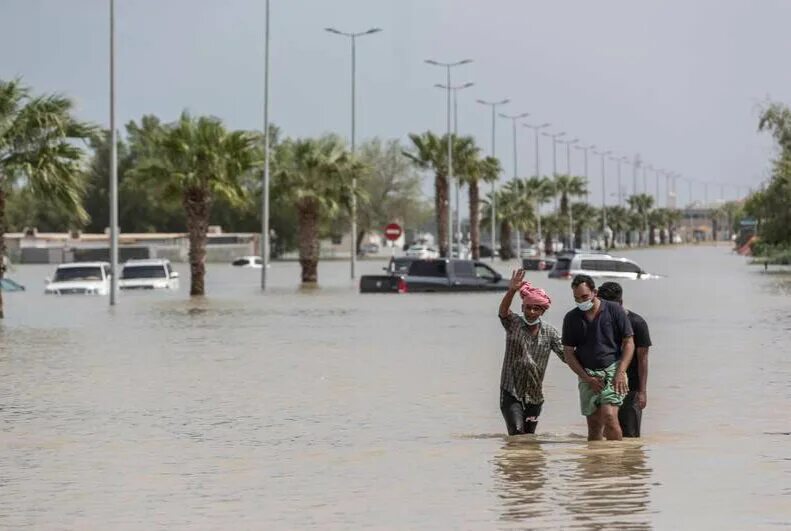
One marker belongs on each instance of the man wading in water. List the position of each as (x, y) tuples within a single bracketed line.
[(528, 342), (598, 345), (631, 413)]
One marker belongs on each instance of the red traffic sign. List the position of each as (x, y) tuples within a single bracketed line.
[(393, 232)]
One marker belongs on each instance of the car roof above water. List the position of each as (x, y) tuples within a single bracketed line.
[(146, 262), (83, 264)]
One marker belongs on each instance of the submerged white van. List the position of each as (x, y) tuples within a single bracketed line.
[(597, 265), (80, 278), (148, 274)]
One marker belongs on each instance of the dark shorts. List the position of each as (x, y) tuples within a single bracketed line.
[(520, 417), (630, 415)]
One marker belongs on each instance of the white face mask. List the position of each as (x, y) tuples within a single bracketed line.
[(532, 323), (585, 306)]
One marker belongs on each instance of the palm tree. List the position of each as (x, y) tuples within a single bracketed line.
[(655, 220), (552, 224), (674, 218), (37, 135), (585, 217), (618, 221), (514, 212), (641, 204), (482, 171), (196, 160), (430, 152), (540, 190), (315, 176), (568, 186)]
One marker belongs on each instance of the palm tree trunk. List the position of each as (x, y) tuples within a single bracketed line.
[(577, 236), (475, 220), (359, 240), (441, 208), (663, 236), (197, 206), (652, 234), (629, 237), (548, 250), (308, 219), (2, 246), (506, 252)]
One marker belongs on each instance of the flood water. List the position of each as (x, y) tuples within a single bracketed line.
[(330, 409)]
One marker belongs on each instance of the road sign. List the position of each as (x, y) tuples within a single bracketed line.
[(393, 232)]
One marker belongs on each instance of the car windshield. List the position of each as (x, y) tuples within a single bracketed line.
[(240, 262), (141, 271), (67, 274), (563, 264)]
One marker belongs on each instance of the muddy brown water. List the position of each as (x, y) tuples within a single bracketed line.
[(330, 409)]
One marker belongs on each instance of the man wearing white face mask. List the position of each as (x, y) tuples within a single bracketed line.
[(528, 342), (598, 346)]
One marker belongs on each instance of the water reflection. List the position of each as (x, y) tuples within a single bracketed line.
[(608, 487), (521, 477)]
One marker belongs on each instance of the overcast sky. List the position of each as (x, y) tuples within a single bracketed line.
[(680, 82)]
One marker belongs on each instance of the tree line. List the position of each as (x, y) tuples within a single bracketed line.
[(771, 205), (186, 175)]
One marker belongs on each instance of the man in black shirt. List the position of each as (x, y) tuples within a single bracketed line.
[(631, 411), (598, 347)]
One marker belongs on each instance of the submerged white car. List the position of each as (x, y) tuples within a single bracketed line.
[(423, 252), (80, 278), (248, 261), (148, 274)]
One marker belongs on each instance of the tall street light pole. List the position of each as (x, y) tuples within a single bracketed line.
[(536, 130), (570, 143), (455, 89), (113, 169), (554, 137), (494, 105), (514, 118), (619, 161), (657, 172), (646, 167), (265, 177), (448, 85), (604, 155), (635, 165), (353, 38), (585, 150)]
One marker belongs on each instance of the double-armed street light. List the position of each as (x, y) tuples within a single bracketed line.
[(353, 39), (449, 87), (455, 90), (494, 105), (514, 118)]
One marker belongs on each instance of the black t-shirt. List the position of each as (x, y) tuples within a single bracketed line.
[(597, 342), (641, 339)]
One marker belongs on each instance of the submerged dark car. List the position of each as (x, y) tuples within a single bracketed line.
[(435, 275)]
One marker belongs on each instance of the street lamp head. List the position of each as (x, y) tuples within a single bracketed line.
[(514, 116), (432, 62), (464, 62), (467, 85), (333, 30), (372, 30)]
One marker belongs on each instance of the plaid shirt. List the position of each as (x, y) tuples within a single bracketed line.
[(526, 358)]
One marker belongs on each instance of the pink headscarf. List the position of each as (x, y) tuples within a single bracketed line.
[(534, 296)]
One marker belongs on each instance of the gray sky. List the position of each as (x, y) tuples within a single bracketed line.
[(678, 81)]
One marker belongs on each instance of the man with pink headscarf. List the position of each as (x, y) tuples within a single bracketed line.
[(528, 343)]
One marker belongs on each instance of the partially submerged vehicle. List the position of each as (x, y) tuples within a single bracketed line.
[(597, 265), (80, 278)]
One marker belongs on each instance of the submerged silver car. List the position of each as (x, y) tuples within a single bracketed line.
[(596, 265)]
